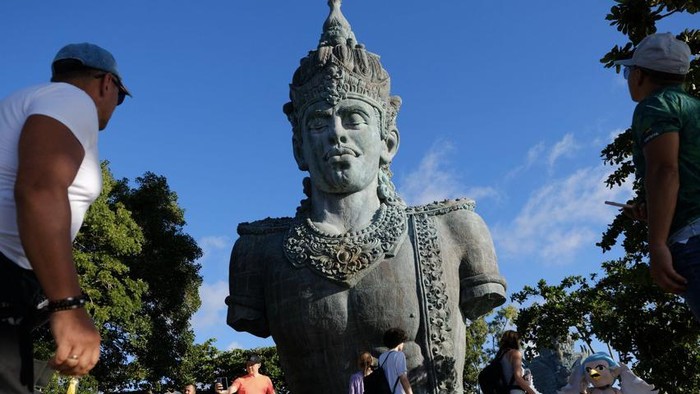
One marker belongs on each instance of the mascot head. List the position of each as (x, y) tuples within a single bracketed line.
[(600, 370)]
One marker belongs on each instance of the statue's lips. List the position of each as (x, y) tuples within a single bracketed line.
[(339, 154)]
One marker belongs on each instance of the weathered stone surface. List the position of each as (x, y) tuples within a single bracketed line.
[(355, 260), (552, 367)]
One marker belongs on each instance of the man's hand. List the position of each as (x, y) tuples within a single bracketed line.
[(636, 212), (662, 271), (77, 342)]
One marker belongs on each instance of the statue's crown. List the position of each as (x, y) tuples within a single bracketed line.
[(339, 68)]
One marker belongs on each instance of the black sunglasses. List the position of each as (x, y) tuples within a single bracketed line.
[(122, 94)]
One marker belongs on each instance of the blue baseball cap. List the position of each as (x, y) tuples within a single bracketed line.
[(93, 56)]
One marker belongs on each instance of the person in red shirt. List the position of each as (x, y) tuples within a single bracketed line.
[(253, 382)]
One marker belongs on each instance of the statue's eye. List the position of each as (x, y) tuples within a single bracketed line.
[(316, 123), (354, 120), (600, 367)]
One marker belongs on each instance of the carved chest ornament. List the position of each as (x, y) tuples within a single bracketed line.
[(346, 258)]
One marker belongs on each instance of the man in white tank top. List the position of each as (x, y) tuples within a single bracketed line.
[(49, 175)]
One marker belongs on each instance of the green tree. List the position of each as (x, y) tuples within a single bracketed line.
[(475, 357), (503, 320), (167, 264), (200, 364), (139, 270), (205, 363), (562, 310)]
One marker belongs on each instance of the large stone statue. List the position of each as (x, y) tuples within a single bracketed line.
[(552, 367), (355, 260)]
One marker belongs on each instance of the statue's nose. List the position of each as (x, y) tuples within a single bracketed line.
[(337, 132)]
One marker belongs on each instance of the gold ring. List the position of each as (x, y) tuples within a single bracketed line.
[(73, 357)]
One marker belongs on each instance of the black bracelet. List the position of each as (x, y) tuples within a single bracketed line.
[(67, 303)]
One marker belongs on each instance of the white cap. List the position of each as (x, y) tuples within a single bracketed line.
[(661, 52)]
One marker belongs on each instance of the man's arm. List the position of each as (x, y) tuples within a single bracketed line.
[(661, 183), (49, 159), (405, 383), (270, 387), (233, 388)]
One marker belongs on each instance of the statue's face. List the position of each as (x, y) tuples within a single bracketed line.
[(340, 145)]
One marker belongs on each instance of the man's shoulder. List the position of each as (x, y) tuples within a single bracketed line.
[(664, 100), (265, 226)]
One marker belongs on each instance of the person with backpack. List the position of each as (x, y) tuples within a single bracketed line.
[(511, 360), (504, 374), (393, 361)]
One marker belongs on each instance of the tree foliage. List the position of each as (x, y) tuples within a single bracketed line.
[(475, 357), (651, 330), (167, 264), (205, 363), (138, 269)]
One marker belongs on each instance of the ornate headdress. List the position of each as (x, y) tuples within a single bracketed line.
[(341, 68)]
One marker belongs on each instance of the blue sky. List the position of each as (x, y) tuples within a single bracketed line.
[(503, 101)]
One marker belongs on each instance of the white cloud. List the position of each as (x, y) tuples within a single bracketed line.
[(233, 346), (543, 155), (480, 193), (560, 218), (212, 245), (533, 154), (434, 180), (565, 147), (214, 242), (212, 313)]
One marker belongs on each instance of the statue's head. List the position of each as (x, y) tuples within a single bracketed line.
[(342, 114)]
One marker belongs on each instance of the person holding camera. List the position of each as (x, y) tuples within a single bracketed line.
[(253, 382)]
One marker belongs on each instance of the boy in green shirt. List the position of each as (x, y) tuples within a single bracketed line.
[(666, 128)]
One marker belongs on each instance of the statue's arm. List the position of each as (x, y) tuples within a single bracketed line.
[(246, 300), (482, 288)]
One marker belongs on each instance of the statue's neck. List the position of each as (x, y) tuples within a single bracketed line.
[(342, 213)]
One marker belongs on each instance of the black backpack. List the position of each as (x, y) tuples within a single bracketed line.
[(491, 380), (376, 383)]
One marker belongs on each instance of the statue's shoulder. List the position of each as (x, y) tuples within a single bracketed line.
[(444, 207), (265, 226), (458, 216)]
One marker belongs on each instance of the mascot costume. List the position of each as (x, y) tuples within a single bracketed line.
[(597, 374)]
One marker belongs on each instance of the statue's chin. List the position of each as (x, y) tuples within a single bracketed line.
[(343, 182)]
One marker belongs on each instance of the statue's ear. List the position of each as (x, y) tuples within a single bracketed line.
[(391, 146), (391, 142), (299, 153)]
